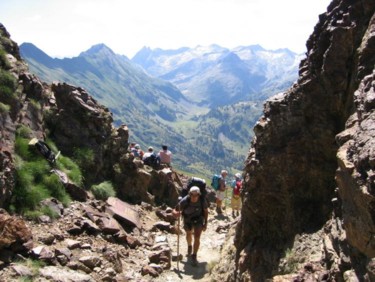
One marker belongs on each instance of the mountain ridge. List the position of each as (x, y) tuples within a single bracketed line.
[(159, 112), (217, 71)]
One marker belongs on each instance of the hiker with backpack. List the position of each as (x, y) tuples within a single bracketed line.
[(236, 202), (150, 158), (219, 185), (195, 214), (198, 182)]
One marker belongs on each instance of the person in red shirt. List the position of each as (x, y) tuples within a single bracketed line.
[(236, 195)]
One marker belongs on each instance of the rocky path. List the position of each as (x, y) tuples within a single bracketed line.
[(72, 248), (209, 252)]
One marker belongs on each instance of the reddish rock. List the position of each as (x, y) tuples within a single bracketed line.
[(15, 235)]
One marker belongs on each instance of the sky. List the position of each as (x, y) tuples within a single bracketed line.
[(65, 28)]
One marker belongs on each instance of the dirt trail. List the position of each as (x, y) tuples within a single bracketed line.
[(209, 252)]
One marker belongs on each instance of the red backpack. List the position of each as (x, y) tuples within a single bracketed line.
[(237, 189)]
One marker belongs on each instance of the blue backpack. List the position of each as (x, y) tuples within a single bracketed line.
[(215, 183)]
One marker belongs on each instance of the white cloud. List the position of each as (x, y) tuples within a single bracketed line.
[(65, 28)]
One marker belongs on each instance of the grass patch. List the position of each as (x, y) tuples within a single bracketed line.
[(35, 181), (8, 83), (103, 190), (71, 169), (4, 63), (33, 265), (84, 157), (4, 109)]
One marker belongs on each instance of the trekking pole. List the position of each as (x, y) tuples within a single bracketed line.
[(225, 200), (178, 238)]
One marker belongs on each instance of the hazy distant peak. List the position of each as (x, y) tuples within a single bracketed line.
[(32, 49), (98, 48)]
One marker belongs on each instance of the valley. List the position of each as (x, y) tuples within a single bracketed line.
[(202, 102)]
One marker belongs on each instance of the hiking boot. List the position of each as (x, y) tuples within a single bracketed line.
[(218, 210), (194, 261), (190, 249)]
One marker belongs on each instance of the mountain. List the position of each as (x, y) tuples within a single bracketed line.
[(215, 76), (155, 111), (106, 75)]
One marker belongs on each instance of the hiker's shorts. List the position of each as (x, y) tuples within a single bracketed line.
[(236, 202), (220, 195), (193, 224)]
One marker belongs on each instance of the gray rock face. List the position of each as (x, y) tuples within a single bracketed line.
[(296, 163), (355, 175)]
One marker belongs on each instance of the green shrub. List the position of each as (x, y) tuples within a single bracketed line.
[(34, 179), (57, 189), (35, 104), (103, 190), (4, 109), (33, 265), (8, 83), (22, 148), (84, 157), (23, 131), (4, 63), (50, 212), (71, 169)]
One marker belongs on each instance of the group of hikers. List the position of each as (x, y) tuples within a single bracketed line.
[(193, 207), (151, 158)]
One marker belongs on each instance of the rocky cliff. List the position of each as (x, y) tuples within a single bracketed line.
[(73, 120), (308, 208)]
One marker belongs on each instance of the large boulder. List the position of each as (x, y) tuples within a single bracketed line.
[(15, 235)]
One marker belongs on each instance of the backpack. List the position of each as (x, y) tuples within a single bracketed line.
[(237, 188), (215, 183), (195, 181), (45, 150), (152, 160)]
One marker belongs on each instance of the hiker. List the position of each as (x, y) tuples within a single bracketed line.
[(133, 150), (139, 150), (236, 194), (220, 193), (195, 215), (165, 155), (149, 158)]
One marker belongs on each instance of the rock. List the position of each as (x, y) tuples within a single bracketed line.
[(15, 235), (149, 270), (22, 270), (73, 244), (47, 239), (115, 259), (166, 215), (58, 274), (162, 257), (133, 242), (109, 225), (123, 212), (371, 270), (54, 205), (164, 226), (90, 261)]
